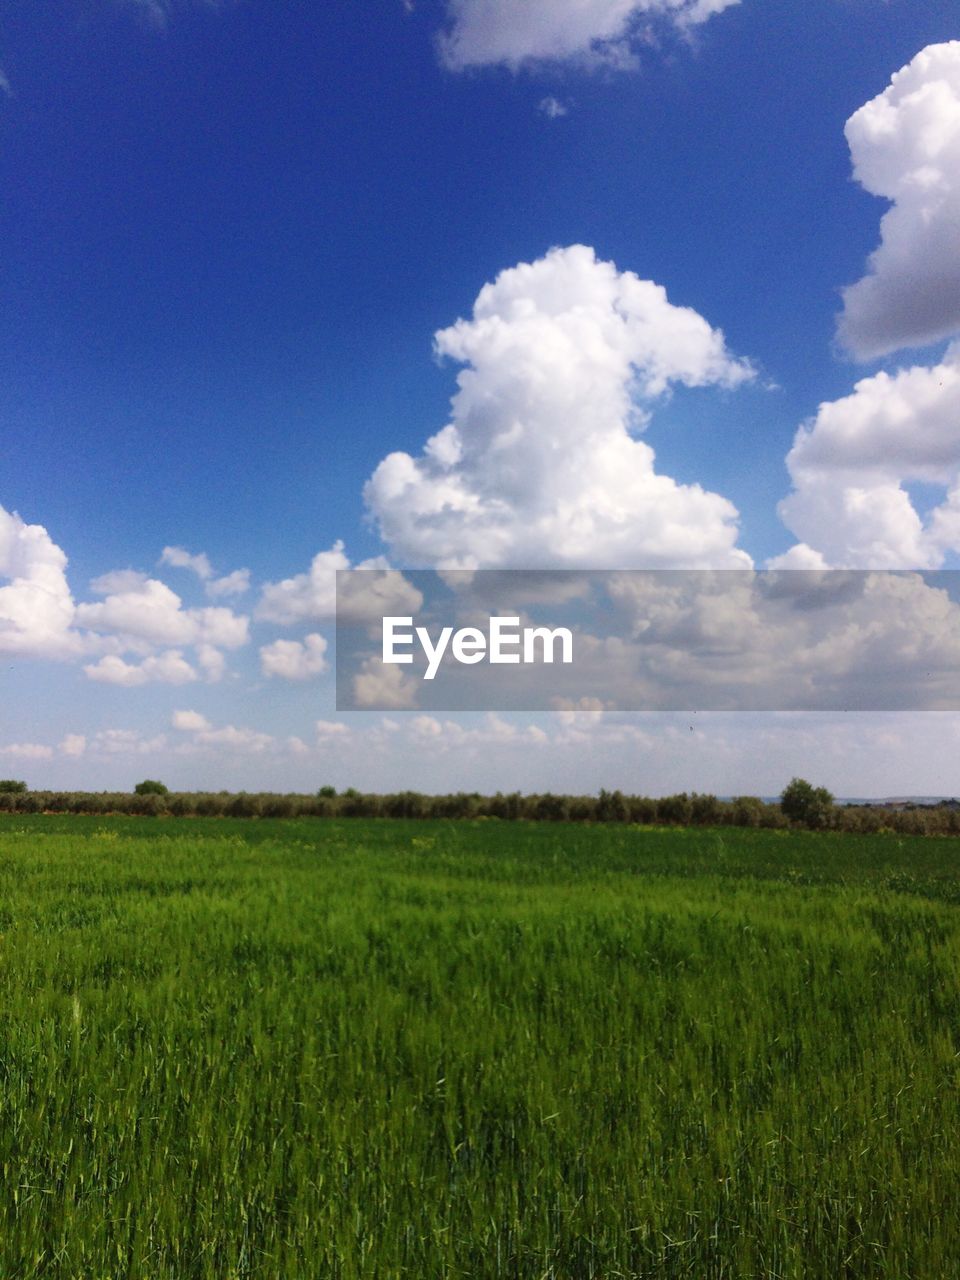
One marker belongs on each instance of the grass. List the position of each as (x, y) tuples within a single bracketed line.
[(386, 1049)]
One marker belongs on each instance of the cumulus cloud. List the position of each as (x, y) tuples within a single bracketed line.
[(565, 357), (115, 742), (181, 558), (851, 466), (37, 610), (203, 734), (144, 609), (380, 685), (233, 739), (136, 614), (331, 730), (591, 32), (211, 662), (27, 751), (312, 596), (190, 721), (169, 667), (905, 147), (293, 660), (231, 584), (73, 745), (118, 580)]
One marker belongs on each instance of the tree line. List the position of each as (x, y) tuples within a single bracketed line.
[(800, 805)]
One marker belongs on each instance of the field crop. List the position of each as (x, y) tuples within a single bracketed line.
[(374, 1049)]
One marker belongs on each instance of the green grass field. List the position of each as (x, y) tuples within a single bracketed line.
[(382, 1049)]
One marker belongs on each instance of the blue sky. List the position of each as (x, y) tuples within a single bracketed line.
[(229, 237)]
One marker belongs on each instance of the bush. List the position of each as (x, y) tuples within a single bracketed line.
[(705, 810), (150, 787), (805, 804), (746, 811), (278, 807), (147, 804), (675, 810), (611, 807), (642, 809), (244, 806)]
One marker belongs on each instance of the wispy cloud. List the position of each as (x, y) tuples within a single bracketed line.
[(590, 32), (552, 107)]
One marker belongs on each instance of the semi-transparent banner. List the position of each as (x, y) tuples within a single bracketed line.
[(650, 640)]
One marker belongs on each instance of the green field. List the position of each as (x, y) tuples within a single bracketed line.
[(482, 1049)]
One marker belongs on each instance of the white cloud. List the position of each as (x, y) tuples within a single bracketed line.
[(5, 86), (73, 745), (539, 466), (512, 33), (169, 667), (144, 609), (190, 721), (114, 742), (331, 729), (180, 558), (428, 732), (293, 660), (36, 607), (211, 662), (27, 751), (312, 596), (799, 556), (117, 581), (234, 739), (380, 685), (231, 584), (204, 734), (850, 466), (905, 147), (552, 107)]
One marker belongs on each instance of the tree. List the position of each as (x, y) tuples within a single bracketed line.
[(10, 787), (327, 793), (810, 806), (150, 787)]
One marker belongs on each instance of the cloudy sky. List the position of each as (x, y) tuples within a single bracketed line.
[(457, 283)]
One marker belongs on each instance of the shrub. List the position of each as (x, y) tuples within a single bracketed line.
[(642, 809), (279, 807), (808, 805), (746, 811), (611, 807), (705, 810), (147, 804), (210, 804), (675, 809), (244, 806), (150, 787)]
